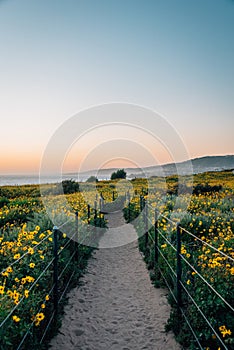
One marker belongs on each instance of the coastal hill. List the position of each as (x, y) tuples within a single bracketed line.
[(197, 165)]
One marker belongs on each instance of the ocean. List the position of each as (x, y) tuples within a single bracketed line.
[(12, 180)]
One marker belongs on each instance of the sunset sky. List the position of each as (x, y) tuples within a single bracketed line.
[(175, 57)]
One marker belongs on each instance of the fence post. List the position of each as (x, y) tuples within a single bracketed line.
[(100, 203), (55, 292), (88, 214), (179, 265), (146, 225), (155, 238), (129, 197), (141, 203), (129, 212), (113, 196), (95, 213), (76, 239)]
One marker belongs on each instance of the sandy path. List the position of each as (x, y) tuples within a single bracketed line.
[(117, 308)]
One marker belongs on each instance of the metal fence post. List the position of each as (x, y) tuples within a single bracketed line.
[(113, 196), (55, 277), (179, 265), (76, 237), (146, 225), (155, 238)]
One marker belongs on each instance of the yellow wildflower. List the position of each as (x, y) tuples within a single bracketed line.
[(16, 256), (15, 318)]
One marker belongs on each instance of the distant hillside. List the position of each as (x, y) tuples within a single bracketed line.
[(199, 165)]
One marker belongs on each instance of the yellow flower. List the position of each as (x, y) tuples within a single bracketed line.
[(10, 294), (47, 297), (5, 274), (225, 331), (16, 256), (29, 279), (2, 289), (30, 250), (32, 265), (26, 293), (15, 318), (64, 235), (39, 317), (43, 306), (188, 282)]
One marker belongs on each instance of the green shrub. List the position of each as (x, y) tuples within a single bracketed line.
[(119, 174)]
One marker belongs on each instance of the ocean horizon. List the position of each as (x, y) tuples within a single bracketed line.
[(18, 180)]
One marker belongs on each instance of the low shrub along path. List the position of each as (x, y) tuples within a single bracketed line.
[(117, 307)]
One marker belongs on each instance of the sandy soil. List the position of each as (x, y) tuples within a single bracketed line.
[(116, 308)]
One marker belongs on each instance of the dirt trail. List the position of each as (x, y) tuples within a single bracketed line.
[(116, 308)]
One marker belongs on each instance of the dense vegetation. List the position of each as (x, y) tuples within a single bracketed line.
[(205, 210), (119, 174), (27, 253), (209, 216)]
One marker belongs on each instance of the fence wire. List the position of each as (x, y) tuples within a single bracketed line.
[(173, 274)]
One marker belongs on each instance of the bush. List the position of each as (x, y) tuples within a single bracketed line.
[(200, 188), (119, 174), (3, 201), (70, 186), (92, 179)]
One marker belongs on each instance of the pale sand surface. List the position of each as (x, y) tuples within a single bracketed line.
[(117, 307)]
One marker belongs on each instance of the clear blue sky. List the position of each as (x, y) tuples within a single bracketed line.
[(58, 57)]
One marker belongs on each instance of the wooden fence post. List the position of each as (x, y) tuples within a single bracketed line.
[(95, 213), (141, 203), (88, 213)]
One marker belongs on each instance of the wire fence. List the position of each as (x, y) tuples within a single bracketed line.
[(66, 256), (170, 250), (163, 249)]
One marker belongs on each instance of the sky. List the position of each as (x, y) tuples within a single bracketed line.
[(175, 57)]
